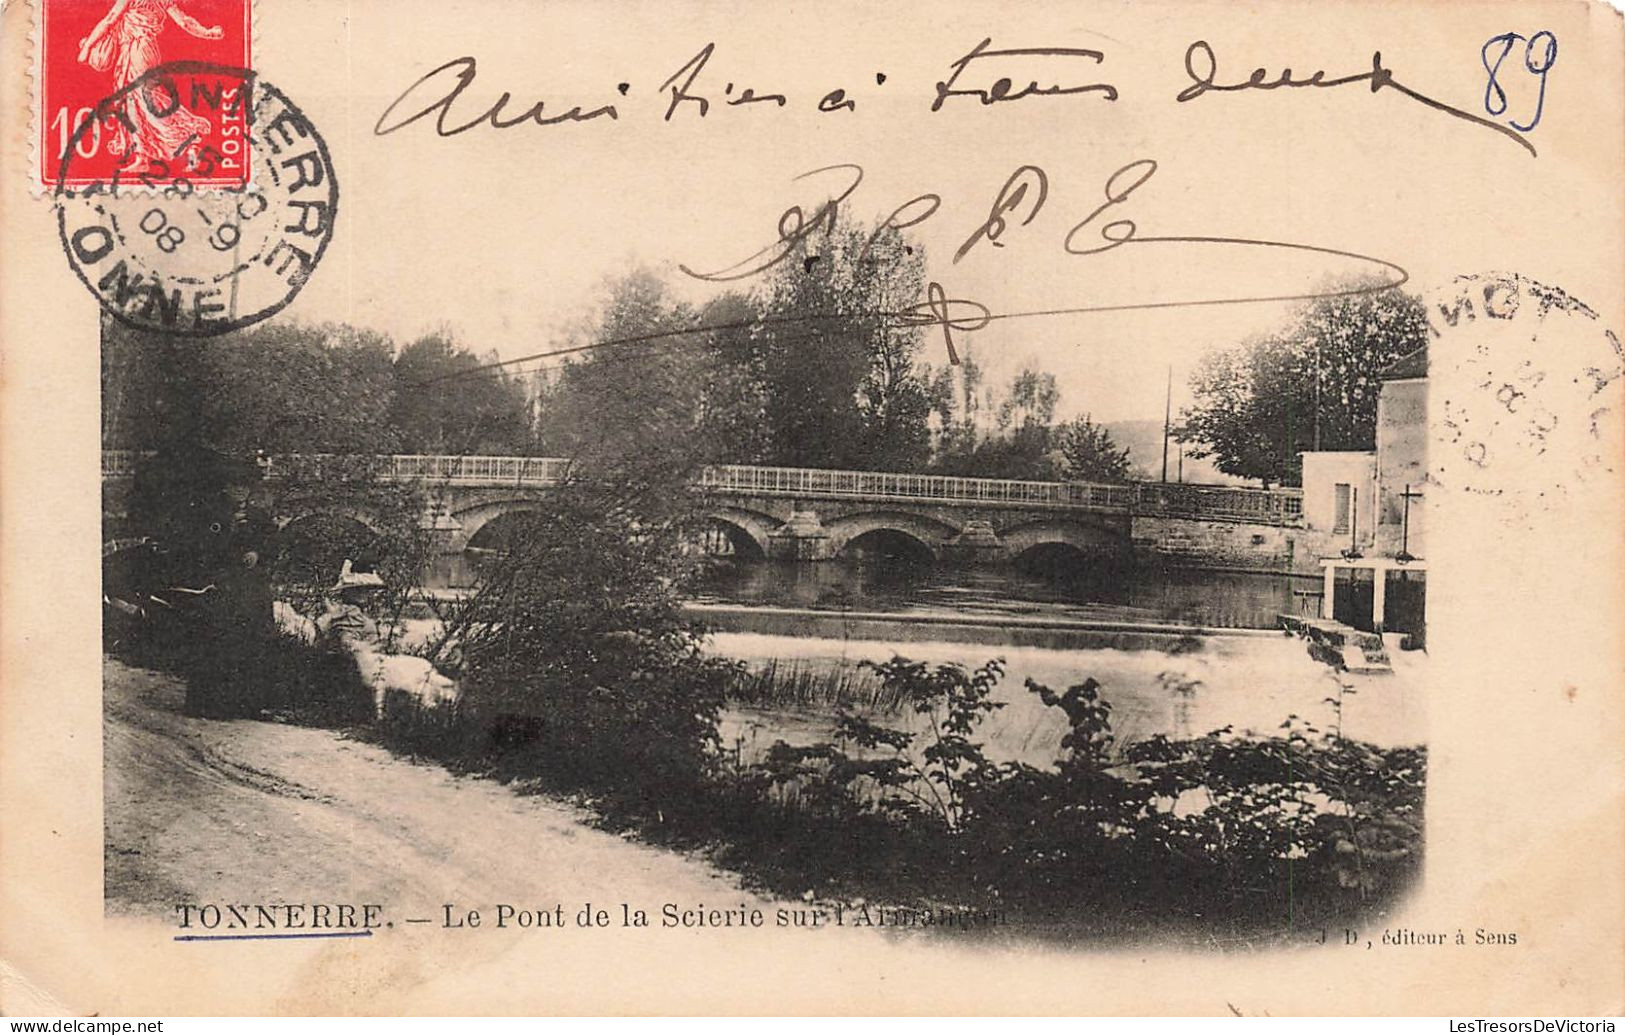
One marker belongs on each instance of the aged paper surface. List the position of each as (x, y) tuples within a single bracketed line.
[(1146, 199)]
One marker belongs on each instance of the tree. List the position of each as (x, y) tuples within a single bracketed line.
[(843, 388), (955, 394), (1260, 404), (311, 388), (651, 402), (214, 411), (443, 402), (576, 643), (1030, 401), (296, 388), (277, 388), (734, 399), (211, 408), (1089, 453), (1022, 445)]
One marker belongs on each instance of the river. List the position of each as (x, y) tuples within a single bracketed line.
[(1250, 683), (1142, 593), (1220, 666)]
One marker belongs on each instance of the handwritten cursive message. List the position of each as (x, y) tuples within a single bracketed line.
[(1026, 192), (451, 99), (984, 75)]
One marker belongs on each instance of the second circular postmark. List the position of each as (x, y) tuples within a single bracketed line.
[(219, 211)]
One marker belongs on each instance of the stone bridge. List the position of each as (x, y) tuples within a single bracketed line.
[(813, 514)]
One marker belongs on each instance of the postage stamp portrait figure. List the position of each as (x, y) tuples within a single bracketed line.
[(89, 50)]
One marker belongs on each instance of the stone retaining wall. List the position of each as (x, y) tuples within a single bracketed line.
[(1227, 544)]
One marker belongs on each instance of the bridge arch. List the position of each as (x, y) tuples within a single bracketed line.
[(748, 529), (927, 533), (1084, 540), (303, 518), (472, 517), (314, 544)]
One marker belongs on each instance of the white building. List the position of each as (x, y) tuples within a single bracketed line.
[(1370, 504)]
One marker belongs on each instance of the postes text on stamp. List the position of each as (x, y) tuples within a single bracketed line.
[(89, 51)]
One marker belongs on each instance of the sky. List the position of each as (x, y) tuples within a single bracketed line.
[(507, 236)]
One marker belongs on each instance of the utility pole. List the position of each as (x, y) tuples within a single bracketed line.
[(1317, 395), (1167, 422)]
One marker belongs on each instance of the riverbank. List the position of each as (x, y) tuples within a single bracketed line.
[(201, 810)]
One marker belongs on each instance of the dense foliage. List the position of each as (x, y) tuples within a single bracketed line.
[(1259, 404), (813, 367), (325, 401), (1292, 828), (1260, 835), (808, 370), (298, 388), (1012, 432), (1089, 454), (574, 653)]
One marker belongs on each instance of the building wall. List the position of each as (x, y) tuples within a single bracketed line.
[(1322, 473), (1402, 423)]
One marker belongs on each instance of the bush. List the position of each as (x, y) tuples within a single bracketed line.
[(576, 640), (316, 686), (1297, 827), (444, 732)]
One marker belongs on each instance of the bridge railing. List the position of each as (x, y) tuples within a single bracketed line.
[(401, 467), (1216, 502), (480, 470), (1267, 506), (812, 482), (1221, 502)]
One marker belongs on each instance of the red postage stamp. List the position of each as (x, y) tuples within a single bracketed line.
[(104, 116)]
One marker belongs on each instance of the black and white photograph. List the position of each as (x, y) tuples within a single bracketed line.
[(931, 500), (764, 576)]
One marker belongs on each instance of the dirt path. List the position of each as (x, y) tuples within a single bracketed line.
[(240, 811)]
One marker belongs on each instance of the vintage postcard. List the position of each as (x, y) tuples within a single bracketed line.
[(729, 508)]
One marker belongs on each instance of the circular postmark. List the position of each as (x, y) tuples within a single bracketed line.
[(1531, 389), (219, 211)]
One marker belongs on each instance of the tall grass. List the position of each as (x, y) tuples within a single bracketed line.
[(810, 685)]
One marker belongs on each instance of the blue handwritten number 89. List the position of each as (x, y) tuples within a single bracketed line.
[(1539, 55)]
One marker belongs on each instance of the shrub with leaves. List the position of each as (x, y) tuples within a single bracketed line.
[(936, 775), (575, 642), (1304, 822)]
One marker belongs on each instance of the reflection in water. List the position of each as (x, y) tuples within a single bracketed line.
[(1075, 587), (456, 570)]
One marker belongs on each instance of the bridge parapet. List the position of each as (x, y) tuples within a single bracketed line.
[(812, 483), (1219, 503), (471, 471), (1148, 499), (485, 471)]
